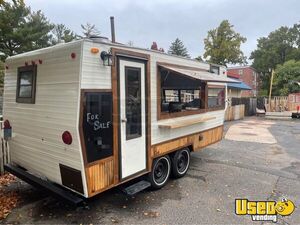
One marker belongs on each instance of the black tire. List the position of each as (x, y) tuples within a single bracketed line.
[(180, 162), (160, 173)]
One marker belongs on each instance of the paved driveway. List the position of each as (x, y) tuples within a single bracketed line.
[(258, 159)]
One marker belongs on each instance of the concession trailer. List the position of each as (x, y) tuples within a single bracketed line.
[(89, 115)]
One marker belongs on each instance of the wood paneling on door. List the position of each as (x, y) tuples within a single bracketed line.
[(100, 177)]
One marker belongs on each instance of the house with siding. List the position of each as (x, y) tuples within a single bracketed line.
[(249, 76), (235, 90)]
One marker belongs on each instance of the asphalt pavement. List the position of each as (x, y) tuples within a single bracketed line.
[(258, 159)]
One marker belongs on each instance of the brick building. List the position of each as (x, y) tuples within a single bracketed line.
[(249, 76)]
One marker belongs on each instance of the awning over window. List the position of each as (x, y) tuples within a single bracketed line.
[(200, 74), (240, 85)]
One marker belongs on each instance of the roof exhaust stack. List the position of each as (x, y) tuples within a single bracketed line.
[(112, 27)]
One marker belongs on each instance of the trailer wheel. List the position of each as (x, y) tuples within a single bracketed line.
[(180, 162), (160, 173)]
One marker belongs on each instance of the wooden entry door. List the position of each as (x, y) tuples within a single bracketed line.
[(132, 102)]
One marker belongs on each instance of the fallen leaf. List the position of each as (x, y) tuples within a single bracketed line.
[(8, 199), (151, 214)]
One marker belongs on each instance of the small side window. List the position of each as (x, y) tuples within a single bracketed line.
[(26, 84), (215, 69)]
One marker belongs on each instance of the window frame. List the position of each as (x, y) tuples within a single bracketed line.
[(81, 130), (166, 115), (204, 95), (31, 99), (218, 107), (127, 68), (180, 92), (214, 66)]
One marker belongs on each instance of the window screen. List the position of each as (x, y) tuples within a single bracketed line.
[(216, 97)]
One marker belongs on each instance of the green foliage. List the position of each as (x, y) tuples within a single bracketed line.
[(222, 45), (89, 30), (12, 22), (22, 30), (177, 48), (287, 77), (263, 92), (278, 47), (38, 31), (62, 34), (1, 74), (199, 58)]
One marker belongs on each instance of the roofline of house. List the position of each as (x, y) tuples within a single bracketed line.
[(240, 67), (233, 75)]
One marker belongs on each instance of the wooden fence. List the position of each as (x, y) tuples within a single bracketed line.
[(235, 112), (282, 103), (249, 102), (277, 104), (4, 151)]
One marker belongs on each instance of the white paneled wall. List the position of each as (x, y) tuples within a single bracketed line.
[(37, 128), (95, 75)]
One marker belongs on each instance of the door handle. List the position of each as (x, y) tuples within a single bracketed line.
[(124, 120)]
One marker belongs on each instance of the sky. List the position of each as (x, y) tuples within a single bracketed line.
[(145, 21)]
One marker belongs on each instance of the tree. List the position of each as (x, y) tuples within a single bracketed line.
[(278, 47), (199, 58), (177, 48), (1, 74), (62, 34), (223, 45), (89, 30), (275, 49), (38, 28), (12, 20), (22, 30), (286, 78)]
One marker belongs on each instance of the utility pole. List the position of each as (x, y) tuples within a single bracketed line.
[(270, 91)]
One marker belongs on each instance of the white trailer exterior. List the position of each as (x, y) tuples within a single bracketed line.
[(64, 74)]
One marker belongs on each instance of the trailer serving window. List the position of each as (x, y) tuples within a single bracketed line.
[(26, 84), (180, 95)]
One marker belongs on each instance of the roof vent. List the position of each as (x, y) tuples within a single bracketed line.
[(99, 38)]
